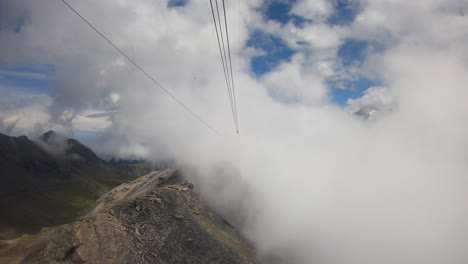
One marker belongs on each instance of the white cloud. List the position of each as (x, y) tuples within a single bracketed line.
[(84, 123), (290, 82), (323, 187), (23, 74), (374, 98), (22, 112), (316, 10)]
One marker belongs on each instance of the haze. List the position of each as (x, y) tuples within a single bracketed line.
[(307, 179)]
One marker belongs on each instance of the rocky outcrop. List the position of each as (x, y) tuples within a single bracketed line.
[(154, 219)]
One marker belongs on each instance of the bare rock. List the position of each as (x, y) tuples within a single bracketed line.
[(154, 219)]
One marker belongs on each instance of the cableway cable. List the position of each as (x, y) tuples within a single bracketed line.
[(224, 64), (225, 54), (142, 70), (230, 65)]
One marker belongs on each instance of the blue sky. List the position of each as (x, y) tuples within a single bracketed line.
[(351, 52), (27, 78), (176, 3), (37, 78), (276, 52), (279, 11), (344, 14)]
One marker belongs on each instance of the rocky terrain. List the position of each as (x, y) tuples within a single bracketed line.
[(157, 218)]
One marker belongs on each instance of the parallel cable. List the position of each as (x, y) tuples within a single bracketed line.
[(227, 67), (230, 64), (222, 36), (223, 60), (141, 69)]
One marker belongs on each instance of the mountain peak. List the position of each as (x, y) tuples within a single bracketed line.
[(48, 135), (50, 132)]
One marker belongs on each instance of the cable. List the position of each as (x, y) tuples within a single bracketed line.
[(230, 76), (222, 36), (222, 60), (143, 71), (230, 64), (224, 63)]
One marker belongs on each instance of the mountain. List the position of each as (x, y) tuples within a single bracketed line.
[(48, 181), (137, 167), (157, 218), (366, 114), (67, 147)]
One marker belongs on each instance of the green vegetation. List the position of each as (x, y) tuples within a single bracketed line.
[(41, 189)]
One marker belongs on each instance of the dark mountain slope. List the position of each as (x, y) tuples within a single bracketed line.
[(48, 181), (154, 219), (68, 147)]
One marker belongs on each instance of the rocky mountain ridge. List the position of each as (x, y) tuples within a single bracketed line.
[(157, 218)]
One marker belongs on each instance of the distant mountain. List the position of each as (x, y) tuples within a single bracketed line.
[(67, 148), (157, 218), (48, 181), (137, 167), (367, 113)]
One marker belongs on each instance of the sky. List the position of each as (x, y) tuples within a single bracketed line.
[(308, 179), (264, 52)]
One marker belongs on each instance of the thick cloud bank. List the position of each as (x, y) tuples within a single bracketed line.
[(307, 181)]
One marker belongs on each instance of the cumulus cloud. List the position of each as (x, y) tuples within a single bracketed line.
[(317, 10), (291, 83), (374, 99), (305, 181), (22, 112)]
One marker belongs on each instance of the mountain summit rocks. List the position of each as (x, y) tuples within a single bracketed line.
[(157, 218)]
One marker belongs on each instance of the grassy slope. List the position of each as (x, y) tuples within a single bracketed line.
[(38, 189), (53, 202)]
